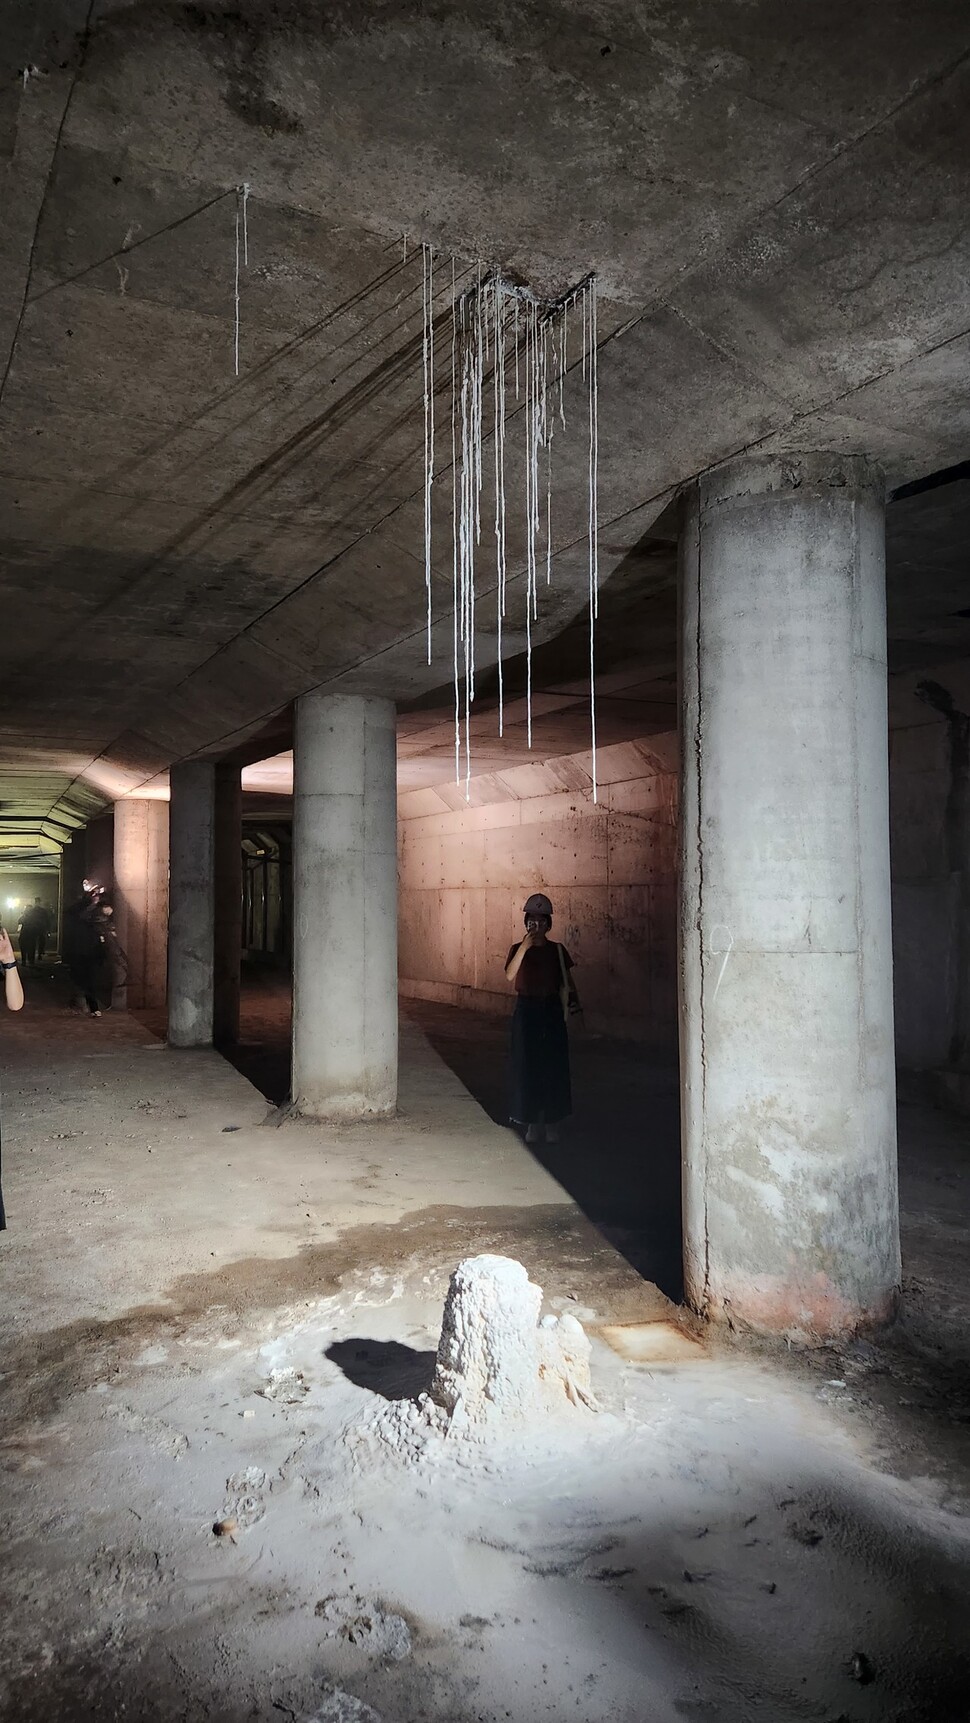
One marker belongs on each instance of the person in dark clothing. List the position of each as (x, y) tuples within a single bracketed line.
[(13, 991), (115, 956), (34, 929), (84, 947), (541, 972)]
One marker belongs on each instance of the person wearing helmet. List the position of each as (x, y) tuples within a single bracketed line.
[(541, 971)]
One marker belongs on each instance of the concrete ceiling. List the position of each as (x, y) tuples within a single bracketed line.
[(774, 200)]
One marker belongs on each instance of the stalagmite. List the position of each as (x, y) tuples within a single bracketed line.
[(496, 1363), (498, 1370), (487, 1354)]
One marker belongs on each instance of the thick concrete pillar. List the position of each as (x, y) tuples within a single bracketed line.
[(228, 903), (345, 907), (141, 900), (191, 913), (791, 1213)]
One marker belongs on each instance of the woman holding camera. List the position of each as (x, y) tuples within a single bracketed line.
[(541, 972)]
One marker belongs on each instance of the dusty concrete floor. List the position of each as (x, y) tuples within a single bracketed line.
[(620, 1158), (206, 1312)]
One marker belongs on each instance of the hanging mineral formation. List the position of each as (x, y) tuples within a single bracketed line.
[(242, 258), (496, 325), (427, 267)]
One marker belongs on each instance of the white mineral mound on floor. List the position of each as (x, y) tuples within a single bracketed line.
[(498, 1367), (495, 1359)]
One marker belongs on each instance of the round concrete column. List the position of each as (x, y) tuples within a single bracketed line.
[(344, 907), (791, 1211), (191, 915)]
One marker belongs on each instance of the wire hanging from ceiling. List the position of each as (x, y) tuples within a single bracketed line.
[(499, 324)]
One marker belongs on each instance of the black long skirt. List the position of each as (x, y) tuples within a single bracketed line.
[(540, 1063)]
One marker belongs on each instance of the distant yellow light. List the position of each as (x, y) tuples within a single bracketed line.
[(12, 902)]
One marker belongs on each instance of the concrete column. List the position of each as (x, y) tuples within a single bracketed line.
[(141, 900), (228, 903), (345, 907), (191, 918), (791, 1212)]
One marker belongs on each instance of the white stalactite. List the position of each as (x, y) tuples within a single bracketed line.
[(241, 258), (455, 581), (500, 533), (427, 290), (235, 301), (486, 318), (593, 521)]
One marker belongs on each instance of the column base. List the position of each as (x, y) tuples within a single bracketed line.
[(341, 1110), (810, 1312)]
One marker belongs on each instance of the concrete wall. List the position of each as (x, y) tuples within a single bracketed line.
[(140, 895), (610, 869), (98, 845), (930, 825)]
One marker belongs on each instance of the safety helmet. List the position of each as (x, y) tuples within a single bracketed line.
[(538, 904)]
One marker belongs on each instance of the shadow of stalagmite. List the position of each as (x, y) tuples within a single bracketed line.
[(385, 1367)]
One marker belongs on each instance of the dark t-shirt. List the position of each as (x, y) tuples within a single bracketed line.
[(81, 938), (539, 975)]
